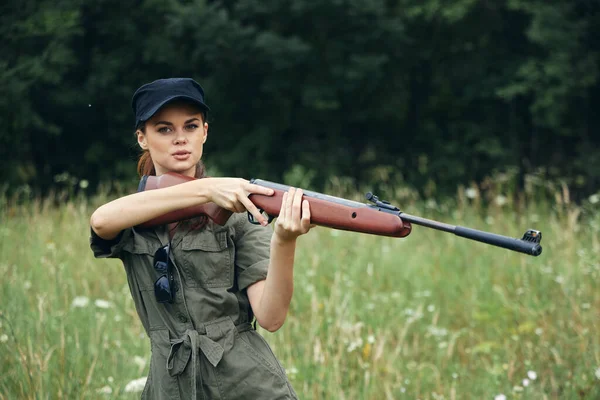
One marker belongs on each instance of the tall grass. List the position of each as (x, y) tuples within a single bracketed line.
[(431, 316)]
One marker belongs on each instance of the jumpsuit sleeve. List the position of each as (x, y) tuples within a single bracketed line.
[(252, 252), (103, 248)]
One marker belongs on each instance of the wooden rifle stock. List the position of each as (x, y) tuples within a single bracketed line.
[(328, 211), (211, 210)]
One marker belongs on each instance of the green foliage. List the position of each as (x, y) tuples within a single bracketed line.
[(439, 93)]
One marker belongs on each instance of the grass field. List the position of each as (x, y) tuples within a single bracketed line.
[(431, 316)]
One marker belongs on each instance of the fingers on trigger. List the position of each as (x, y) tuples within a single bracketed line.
[(250, 207)]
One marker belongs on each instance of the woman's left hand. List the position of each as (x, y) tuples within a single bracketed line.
[(294, 216)]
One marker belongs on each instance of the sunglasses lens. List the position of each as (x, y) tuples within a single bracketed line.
[(162, 290), (162, 255), (161, 267), (162, 286)]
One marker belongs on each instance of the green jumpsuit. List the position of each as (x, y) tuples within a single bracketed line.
[(203, 344)]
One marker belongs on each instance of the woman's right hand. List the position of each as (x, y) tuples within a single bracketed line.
[(232, 194)]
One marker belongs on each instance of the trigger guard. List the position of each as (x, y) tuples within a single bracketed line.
[(255, 222)]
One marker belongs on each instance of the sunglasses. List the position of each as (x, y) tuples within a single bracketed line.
[(164, 287)]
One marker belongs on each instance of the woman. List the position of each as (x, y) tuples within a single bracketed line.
[(198, 286)]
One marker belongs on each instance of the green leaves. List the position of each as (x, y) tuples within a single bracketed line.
[(340, 87)]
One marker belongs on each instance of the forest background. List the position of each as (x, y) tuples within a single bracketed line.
[(424, 94)]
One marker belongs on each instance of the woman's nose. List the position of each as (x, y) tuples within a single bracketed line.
[(180, 138)]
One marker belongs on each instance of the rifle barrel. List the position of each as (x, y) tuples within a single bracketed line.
[(519, 245)]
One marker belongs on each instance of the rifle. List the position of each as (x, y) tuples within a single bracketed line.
[(379, 218)]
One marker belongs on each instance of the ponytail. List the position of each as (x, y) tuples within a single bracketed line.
[(145, 165)]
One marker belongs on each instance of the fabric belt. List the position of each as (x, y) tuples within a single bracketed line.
[(204, 338)]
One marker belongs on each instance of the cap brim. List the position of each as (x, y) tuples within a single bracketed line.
[(148, 114)]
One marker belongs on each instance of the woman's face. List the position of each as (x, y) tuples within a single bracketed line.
[(175, 137)]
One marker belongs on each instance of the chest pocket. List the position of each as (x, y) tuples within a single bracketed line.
[(206, 259), (142, 257)]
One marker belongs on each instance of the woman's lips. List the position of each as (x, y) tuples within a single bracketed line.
[(181, 156)]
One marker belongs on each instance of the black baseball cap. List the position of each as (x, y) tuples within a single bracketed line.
[(149, 98)]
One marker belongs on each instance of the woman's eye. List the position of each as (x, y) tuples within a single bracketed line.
[(192, 127), (164, 129)]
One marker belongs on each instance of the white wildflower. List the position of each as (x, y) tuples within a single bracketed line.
[(80, 301), (454, 375), (532, 375), (559, 279), (104, 390), (292, 371), (525, 382), (136, 385), (431, 308), (539, 331), (371, 339), (3, 338), (500, 200), (594, 198), (139, 361), (470, 193), (110, 379), (27, 285), (437, 332), (430, 203), (402, 389), (355, 345), (84, 183), (586, 306), (102, 303), (500, 397), (597, 373)]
